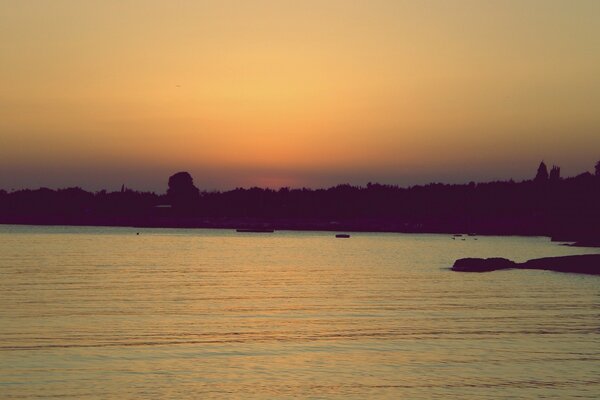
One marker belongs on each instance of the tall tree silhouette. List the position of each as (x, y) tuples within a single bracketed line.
[(542, 173), (598, 168)]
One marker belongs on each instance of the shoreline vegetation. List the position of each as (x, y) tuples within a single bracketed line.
[(565, 209)]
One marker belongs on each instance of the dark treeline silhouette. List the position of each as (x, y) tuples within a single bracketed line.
[(564, 208)]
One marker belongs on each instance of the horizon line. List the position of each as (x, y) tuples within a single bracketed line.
[(124, 187)]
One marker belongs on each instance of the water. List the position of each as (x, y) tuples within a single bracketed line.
[(104, 313)]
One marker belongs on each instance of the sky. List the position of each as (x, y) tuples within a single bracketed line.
[(308, 93)]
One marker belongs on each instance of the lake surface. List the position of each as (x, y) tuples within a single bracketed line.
[(102, 313)]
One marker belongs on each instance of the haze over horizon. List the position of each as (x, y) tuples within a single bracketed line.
[(281, 93)]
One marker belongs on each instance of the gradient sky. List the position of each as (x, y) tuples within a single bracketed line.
[(295, 93)]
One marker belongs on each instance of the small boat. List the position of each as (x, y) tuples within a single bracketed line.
[(342, 236), (255, 230)]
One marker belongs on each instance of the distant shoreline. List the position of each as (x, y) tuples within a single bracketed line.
[(564, 209)]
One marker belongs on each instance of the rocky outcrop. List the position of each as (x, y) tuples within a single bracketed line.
[(482, 264), (581, 264)]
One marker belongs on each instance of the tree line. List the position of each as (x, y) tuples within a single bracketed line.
[(547, 204)]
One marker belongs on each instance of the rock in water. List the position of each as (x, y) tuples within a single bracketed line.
[(580, 264), (482, 264)]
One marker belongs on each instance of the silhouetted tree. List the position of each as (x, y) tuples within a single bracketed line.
[(555, 173), (598, 168), (181, 192), (542, 173)]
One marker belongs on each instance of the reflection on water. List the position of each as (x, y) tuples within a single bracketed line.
[(105, 313)]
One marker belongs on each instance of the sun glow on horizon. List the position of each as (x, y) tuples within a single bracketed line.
[(313, 91)]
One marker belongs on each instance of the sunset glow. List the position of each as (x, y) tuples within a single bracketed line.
[(310, 93)]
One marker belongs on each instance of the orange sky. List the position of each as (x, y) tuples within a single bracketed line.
[(299, 93)]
